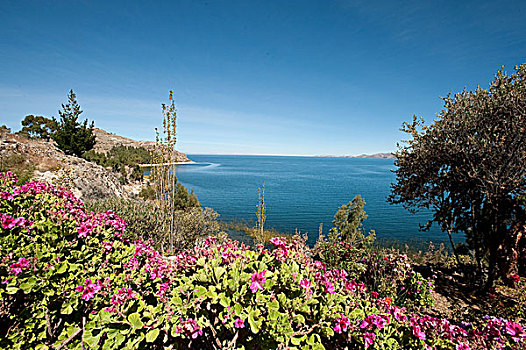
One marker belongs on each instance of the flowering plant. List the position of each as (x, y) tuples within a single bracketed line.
[(71, 279)]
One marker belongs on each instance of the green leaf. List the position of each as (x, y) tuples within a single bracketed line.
[(298, 319), (62, 268), (28, 285), (391, 343), (152, 335), (200, 291), (255, 324), (12, 289), (218, 272), (66, 309), (135, 320), (224, 300), (297, 341)]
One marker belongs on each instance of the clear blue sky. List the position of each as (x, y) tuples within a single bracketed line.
[(254, 77)]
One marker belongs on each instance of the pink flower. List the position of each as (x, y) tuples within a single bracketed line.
[(398, 314), (258, 279), (277, 242), (305, 283), (84, 228), (239, 323), (192, 329), (463, 346), (89, 289), (417, 331), (8, 222), (329, 288), (122, 295), (163, 288), (341, 324), (17, 267), (368, 339), (108, 246), (515, 330)]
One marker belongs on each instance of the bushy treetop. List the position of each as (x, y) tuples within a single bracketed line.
[(469, 166), (71, 136)]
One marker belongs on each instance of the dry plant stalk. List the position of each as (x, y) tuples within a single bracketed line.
[(261, 209), (162, 175)]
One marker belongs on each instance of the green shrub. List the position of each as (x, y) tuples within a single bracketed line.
[(191, 223)]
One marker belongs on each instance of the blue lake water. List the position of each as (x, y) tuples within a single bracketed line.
[(302, 192)]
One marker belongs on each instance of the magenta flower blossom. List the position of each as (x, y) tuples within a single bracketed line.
[(191, 328), (239, 323), (84, 229), (258, 279), (8, 222), (329, 288), (515, 330), (163, 288), (341, 324), (463, 346), (368, 339), (108, 246), (305, 283), (277, 242), (16, 268), (89, 289), (122, 295), (417, 331)]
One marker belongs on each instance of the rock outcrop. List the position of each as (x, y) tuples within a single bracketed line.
[(85, 179)]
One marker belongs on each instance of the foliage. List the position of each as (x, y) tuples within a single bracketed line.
[(468, 167), (4, 129), (184, 199), (387, 273), (71, 136), (37, 127), (69, 279), (347, 223), (191, 222), (122, 159)]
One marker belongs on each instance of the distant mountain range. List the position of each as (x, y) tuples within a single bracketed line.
[(373, 156)]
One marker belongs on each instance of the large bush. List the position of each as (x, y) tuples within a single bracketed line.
[(191, 223), (70, 280), (469, 168)]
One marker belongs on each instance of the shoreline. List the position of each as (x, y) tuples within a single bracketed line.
[(173, 163)]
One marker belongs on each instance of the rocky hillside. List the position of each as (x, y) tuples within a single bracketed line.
[(87, 180), (106, 141)]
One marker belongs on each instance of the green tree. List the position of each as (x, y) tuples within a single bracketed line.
[(468, 167), (71, 136), (347, 223), (37, 127)]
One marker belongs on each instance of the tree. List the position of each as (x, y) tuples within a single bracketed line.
[(469, 168), (347, 223), (71, 136), (37, 127)]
